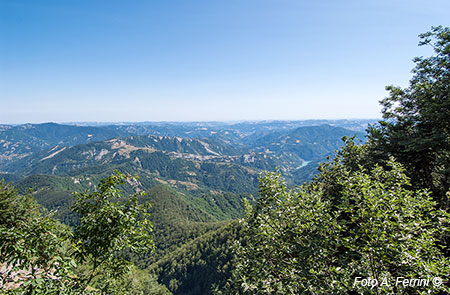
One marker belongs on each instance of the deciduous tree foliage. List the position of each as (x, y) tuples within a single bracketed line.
[(32, 246), (109, 225), (45, 257), (308, 241), (416, 125)]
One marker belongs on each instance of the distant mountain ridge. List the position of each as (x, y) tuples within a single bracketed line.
[(61, 149), (309, 143), (18, 141), (24, 140)]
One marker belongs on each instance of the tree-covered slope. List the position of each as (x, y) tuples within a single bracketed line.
[(176, 221), (177, 217), (200, 266)]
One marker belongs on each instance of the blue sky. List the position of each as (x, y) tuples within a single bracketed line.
[(78, 60)]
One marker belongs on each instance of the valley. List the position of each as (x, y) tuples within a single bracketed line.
[(195, 175)]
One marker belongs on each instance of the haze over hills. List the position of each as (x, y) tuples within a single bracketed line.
[(26, 141)]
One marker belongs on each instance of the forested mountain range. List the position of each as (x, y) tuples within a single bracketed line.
[(22, 140), (195, 175), (35, 148)]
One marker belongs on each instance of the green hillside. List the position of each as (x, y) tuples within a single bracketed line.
[(200, 266), (175, 220), (177, 216)]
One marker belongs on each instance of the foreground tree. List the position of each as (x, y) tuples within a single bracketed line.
[(32, 247), (308, 241), (42, 256), (108, 226), (416, 125)]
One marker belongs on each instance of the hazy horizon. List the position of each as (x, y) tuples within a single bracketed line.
[(93, 123)]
